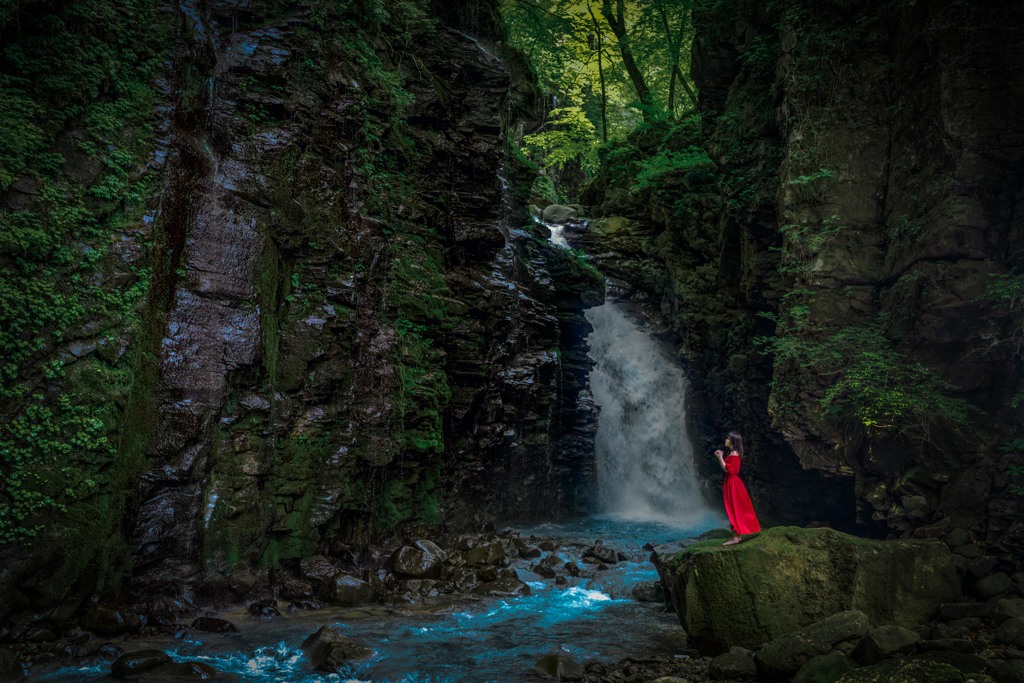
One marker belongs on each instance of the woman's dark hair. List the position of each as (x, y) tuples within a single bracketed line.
[(737, 442)]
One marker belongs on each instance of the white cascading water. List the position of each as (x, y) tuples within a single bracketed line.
[(644, 459)]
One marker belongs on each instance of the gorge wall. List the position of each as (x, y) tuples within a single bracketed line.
[(841, 272), (267, 294)]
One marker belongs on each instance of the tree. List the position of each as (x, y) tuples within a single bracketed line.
[(617, 22)]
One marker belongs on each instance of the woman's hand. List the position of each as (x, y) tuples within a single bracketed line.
[(719, 453)]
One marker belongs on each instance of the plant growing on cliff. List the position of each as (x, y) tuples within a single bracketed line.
[(38, 448), (863, 381), (75, 112), (666, 161)]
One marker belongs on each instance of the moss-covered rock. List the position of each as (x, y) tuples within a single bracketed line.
[(825, 668), (788, 577), (907, 671), (784, 656)]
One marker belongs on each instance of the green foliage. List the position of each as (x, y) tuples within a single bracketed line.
[(582, 266), (581, 62), (1014, 449), (820, 174), (418, 294), (543, 186), (658, 155), (569, 139), (561, 40), (75, 113), (805, 241), (1006, 288), (668, 162), (37, 448)]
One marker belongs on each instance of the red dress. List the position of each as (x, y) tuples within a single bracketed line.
[(737, 500)]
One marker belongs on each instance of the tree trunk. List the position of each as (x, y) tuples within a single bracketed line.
[(617, 21), (674, 46), (600, 74)]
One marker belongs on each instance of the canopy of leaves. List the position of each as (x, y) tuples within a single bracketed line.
[(614, 64)]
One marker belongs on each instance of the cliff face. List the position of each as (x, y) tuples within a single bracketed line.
[(860, 215), (339, 326)]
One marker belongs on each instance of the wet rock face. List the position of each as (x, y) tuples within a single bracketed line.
[(355, 338)]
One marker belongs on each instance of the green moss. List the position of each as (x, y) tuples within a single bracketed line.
[(82, 76)]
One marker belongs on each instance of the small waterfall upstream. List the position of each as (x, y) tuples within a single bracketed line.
[(644, 459)]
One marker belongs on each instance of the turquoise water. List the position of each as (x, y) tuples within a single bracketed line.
[(485, 639)]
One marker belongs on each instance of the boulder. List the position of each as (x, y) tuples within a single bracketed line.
[(946, 645), (264, 609), (557, 213), (612, 226), (213, 625), (991, 586), (10, 667), (421, 560), (788, 577), (965, 662), (1009, 671), (505, 586), (327, 650), (105, 621), (884, 642), (549, 566), (1007, 608), (782, 657), (295, 589), (1011, 632), (317, 568), (904, 671), (963, 610), (525, 550), (736, 664), (600, 553), (825, 668), (648, 591), (486, 554), (350, 591), (559, 666), (182, 672), (134, 664)]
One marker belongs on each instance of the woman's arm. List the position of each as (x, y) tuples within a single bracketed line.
[(721, 460)]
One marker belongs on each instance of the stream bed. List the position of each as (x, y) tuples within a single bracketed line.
[(459, 638)]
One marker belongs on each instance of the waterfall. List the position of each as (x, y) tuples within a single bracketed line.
[(644, 459)]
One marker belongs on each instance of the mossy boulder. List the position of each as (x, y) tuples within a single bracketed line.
[(787, 578), (781, 658), (908, 671), (825, 668)]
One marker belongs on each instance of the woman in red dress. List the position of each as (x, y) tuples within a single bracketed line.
[(737, 500)]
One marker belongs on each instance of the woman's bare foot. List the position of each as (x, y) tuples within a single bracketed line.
[(733, 541)]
